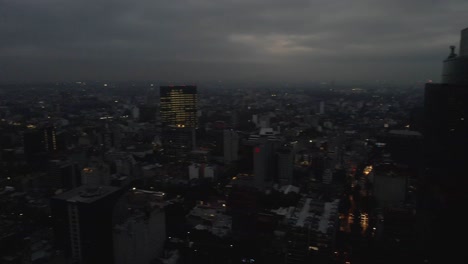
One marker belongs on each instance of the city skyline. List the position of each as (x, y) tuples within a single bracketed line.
[(197, 41), (282, 175)]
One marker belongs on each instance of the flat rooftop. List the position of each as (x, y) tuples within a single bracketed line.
[(86, 194)]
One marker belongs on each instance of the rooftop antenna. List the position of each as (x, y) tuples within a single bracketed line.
[(452, 52)]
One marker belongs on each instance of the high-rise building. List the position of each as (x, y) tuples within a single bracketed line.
[(265, 168), (82, 220), (38, 143), (179, 106), (443, 185), (285, 166), (178, 110), (230, 146), (140, 227), (40, 140)]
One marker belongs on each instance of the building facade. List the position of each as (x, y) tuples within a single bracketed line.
[(443, 185), (82, 221), (178, 106), (178, 110)]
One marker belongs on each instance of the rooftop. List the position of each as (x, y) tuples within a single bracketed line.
[(405, 132), (86, 194)]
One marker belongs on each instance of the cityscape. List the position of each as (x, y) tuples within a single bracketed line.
[(184, 169)]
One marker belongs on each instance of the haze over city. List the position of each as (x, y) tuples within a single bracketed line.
[(204, 40), (233, 132)]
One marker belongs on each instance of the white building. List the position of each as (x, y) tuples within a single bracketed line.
[(139, 236)]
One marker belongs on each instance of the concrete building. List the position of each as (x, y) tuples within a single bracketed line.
[(390, 185), (201, 170), (265, 144), (140, 227)]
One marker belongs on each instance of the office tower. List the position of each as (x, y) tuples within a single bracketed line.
[(264, 158), (82, 221), (178, 110), (40, 140), (285, 166), (230, 146), (263, 147), (179, 106), (38, 143), (443, 186), (50, 139)]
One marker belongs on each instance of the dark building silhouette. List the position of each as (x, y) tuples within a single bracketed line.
[(82, 221), (285, 158), (265, 168), (38, 144), (264, 162), (40, 140), (230, 146), (147, 113), (443, 187), (177, 142), (405, 147), (243, 206), (63, 174)]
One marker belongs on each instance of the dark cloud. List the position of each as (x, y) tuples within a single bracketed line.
[(223, 39)]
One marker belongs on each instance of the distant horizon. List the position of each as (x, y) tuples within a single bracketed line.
[(253, 41), (218, 83)]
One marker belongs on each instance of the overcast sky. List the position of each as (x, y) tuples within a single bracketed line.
[(200, 40)]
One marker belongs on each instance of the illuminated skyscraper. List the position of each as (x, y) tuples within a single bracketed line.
[(178, 109), (179, 106)]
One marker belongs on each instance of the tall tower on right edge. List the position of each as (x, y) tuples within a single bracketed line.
[(443, 187)]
